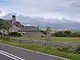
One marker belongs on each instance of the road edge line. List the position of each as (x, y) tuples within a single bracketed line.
[(14, 56), (8, 56)]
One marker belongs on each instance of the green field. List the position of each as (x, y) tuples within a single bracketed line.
[(66, 39), (28, 38), (54, 39)]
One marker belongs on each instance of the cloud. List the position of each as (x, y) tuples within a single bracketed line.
[(46, 22), (0, 12), (2, 1), (53, 23), (45, 8), (44, 12)]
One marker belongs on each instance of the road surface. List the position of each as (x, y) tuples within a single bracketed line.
[(22, 54)]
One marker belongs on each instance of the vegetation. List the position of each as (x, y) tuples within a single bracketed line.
[(15, 34), (54, 39), (66, 33), (1, 33), (48, 49), (4, 24), (44, 32), (59, 36), (66, 39), (75, 50)]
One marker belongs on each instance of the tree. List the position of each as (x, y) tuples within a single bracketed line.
[(59, 34), (75, 35), (67, 32), (1, 23), (4, 26)]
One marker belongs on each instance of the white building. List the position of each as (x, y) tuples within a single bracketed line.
[(17, 27)]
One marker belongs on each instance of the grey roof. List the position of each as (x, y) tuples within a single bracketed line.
[(18, 24), (30, 29)]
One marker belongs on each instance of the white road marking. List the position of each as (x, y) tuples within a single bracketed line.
[(10, 55)]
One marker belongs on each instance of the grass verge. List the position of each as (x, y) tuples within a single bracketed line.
[(49, 50)]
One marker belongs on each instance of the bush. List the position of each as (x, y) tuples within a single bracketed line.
[(65, 49), (44, 32), (75, 35), (15, 34), (66, 33), (59, 34), (77, 50), (1, 33), (70, 49), (42, 36)]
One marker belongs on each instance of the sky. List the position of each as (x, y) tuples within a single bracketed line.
[(42, 9)]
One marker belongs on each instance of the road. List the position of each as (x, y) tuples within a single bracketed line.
[(15, 53)]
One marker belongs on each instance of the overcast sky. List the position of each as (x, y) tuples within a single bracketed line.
[(46, 8), (69, 9)]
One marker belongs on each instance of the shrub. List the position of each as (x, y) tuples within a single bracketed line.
[(67, 32), (77, 50), (63, 49), (75, 35), (44, 32), (1, 33), (42, 36), (59, 34), (15, 34)]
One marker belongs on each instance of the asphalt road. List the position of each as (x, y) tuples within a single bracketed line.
[(24, 54)]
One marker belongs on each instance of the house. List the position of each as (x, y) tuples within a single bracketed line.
[(15, 26)]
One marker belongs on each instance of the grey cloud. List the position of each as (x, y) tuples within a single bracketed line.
[(56, 23), (67, 8), (42, 22), (0, 12), (3, 1)]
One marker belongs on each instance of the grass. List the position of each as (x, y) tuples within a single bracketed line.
[(49, 50), (29, 38), (54, 39), (66, 39)]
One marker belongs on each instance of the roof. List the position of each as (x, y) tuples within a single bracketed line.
[(18, 24), (29, 29)]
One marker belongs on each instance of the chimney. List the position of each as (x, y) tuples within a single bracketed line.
[(13, 19)]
